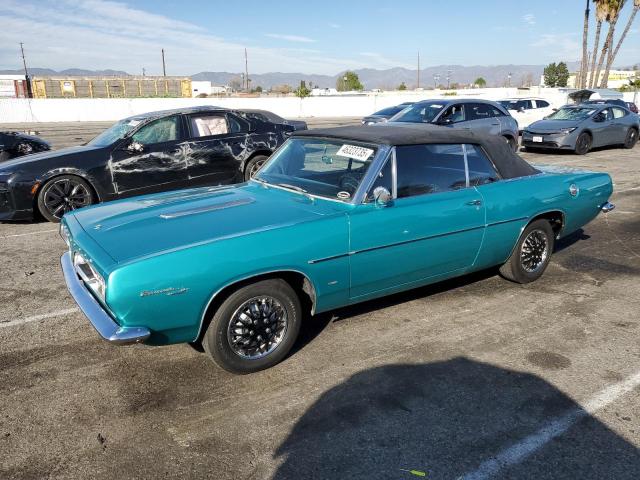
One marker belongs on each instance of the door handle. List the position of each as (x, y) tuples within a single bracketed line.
[(474, 203)]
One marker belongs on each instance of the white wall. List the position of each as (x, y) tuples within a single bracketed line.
[(16, 110)]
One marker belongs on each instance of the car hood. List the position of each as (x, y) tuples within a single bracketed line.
[(151, 225), (552, 125), (30, 160)]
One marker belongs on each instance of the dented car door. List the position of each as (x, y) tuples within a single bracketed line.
[(154, 158), (218, 147)]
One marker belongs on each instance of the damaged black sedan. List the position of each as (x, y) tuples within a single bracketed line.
[(18, 144), (142, 154)]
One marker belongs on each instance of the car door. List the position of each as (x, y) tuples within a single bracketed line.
[(217, 147), (480, 118), (432, 227), (151, 159), (604, 131), (620, 127)]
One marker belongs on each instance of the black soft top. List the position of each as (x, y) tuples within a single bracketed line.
[(508, 163)]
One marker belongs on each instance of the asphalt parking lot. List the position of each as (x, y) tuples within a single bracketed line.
[(472, 378)]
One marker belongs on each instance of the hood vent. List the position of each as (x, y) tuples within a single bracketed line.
[(208, 208)]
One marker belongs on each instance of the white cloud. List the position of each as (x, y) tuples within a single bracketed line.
[(290, 38), (377, 60), (558, 46), (100, 34), (334, 25), (529, 19)]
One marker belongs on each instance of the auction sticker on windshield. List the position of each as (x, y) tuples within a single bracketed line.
[(353, 151)]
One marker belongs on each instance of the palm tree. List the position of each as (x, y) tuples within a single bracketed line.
[(613, 14), (585, 34), (612, 56), (601, 15)]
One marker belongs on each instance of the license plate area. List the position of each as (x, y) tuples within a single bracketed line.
[(537, 139)]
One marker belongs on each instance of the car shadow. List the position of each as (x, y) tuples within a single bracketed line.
[(570, 240), (442, 420), (559, 151)]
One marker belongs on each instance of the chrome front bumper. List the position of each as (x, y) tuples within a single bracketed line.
[(607, 207), (99, 318)]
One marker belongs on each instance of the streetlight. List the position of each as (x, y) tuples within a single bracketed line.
[(509, 79), (448, 78), (436, 77)]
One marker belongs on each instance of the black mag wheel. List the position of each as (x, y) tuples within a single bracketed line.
[(513, 144), (63, 194), (254, 165), (254, 327), (257, 327), (583, 143), (531, 255), (631, 139), (534, 251)]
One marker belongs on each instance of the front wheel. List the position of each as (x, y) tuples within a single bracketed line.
[(532, 253), (253, 166), (255, 327), (63, 194), (583, 143), (631, 138), (513, 144)]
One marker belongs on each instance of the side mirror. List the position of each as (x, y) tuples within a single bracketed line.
[(135, 147), (521, 110), (381, 196)]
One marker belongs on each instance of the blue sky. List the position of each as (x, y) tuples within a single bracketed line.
[(292, 36)]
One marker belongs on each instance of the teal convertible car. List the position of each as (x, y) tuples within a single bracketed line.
[(335, 217)]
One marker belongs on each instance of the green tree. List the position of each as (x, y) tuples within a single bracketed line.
[(348, 81), (302, 91), (551, 75), (480, 82), (258, 89), (402, 86), (562, 74)]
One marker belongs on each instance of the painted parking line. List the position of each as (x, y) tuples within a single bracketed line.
[(35, 318), (30, 233), (519, 452)]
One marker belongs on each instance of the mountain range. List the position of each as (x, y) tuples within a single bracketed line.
[(494, 75)]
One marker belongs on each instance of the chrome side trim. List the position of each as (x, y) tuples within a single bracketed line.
[(607, 207), (99, 318), (314, 296)]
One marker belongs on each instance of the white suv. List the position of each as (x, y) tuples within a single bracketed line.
[(527, 110)]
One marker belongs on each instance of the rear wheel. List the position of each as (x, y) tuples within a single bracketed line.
[(63, 194), (253, 166), (631, 138), (255, 327), (583, 143), (532, 253), (512, 143)]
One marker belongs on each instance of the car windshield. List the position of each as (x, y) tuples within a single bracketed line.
[(419, 113), (115, 132), (326, 168), (572, 114)]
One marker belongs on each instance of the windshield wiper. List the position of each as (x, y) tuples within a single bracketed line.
[(292, 187)]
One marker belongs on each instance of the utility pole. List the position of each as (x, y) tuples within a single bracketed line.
[(246, 70), (26, 72), (164, 66), (448, 78), (418, 69), (144, 72)]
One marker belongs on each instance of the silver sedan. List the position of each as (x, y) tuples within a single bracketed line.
[(583, 127)]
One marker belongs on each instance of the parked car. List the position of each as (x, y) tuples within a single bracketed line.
[(610, 101), (632, 107), (481, 116), (267, 116), (145, 153), (582, 127), (336, 217), (16, 144), (527, 110), (385, 114)]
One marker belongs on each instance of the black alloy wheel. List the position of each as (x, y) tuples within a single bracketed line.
[(631, 139), (583, 143), (63, 194), (254, 165), (513, 144)]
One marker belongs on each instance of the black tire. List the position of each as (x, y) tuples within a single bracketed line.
[(583, 143), (513, 144), (4, 155), (631, 139), (243, 358), (528, 261), (253, 166), (57, 197)]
